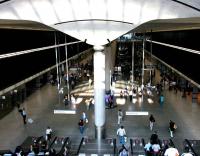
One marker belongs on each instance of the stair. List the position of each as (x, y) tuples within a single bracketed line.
[(93, 148)]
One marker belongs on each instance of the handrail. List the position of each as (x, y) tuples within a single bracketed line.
[(114, 146), (52, 143), (79, 148), (172, 143), (40, 73), (143, 142), (38, 139), (63, 146), (192, 149), (131, 143)]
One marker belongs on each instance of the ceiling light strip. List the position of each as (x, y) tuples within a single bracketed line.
[(35, 50), (176, 47)]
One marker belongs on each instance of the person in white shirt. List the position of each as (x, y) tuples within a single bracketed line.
[(171, 151), (119, 116), (48, 133), (121, 133)]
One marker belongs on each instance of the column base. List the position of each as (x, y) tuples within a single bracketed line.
[(108, 91), (100, 132)]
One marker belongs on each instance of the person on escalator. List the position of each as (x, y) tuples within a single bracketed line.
[(171, 151), (186, 152)]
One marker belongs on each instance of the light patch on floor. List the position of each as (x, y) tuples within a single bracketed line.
[(136, 113), (64, 112), (120, 101), (150, 101)]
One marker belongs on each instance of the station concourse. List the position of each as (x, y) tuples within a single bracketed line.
[(100, 25)]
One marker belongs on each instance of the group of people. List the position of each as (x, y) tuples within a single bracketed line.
[(153, 148)]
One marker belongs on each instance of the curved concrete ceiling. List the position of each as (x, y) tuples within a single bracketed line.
[(78, 18)]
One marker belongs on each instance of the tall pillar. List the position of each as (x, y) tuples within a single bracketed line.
[(107, 68), (99, 91)]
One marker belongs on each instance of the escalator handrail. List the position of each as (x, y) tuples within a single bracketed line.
[(63, 146), (131, 143), (79, 148), (38, 139), (172, 143), (192, 149), (143, 142), (52, 143), (114, 147)]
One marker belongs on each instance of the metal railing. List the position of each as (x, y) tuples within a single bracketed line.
[(190, 146), (52, 143), (131, 143), (67, 140), (80, 145), (114, 147)]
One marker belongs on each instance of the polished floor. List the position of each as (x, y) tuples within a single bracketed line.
[(40, 107)]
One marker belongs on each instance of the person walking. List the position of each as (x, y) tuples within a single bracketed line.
[(81, 126), (121, 133), (151, 121), (48, 133), (23, 113), (119, 116), (172, 127)]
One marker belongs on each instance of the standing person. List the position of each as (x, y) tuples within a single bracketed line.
[(186, 152), (156, 149), (121, 133), (23, 113), (48, 133), (151, 120), (130, 95), (161, 100), (172, 127), (148, 148), (171, 151), (65, 100), (81, 126), (119, 116), (154, 138)]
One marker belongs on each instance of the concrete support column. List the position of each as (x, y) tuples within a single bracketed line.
[(107, 68), (99, 91), (113, 55)]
